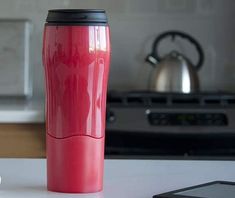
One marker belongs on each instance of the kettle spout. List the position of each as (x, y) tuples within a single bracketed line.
[(151, 59)]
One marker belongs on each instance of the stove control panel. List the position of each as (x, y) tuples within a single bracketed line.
[(168, 113), (187, 119)]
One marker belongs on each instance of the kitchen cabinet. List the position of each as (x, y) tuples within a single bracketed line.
[(22, 140)]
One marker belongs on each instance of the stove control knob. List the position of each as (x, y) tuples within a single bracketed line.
[(110, 116)]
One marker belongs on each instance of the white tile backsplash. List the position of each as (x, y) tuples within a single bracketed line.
[(134, 25)]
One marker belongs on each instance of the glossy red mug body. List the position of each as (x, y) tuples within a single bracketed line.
[(76, 58)]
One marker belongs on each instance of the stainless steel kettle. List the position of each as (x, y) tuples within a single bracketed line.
[(174, 72)]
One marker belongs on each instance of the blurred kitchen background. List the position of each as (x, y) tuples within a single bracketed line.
[(134, 26)]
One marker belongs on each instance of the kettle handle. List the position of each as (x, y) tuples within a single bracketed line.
[(154, 57)]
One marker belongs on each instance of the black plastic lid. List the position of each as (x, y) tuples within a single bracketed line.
[(77, 16)]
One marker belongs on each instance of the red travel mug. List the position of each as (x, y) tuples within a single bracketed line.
[(76, 58)]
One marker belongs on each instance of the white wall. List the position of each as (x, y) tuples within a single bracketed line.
[(134, 25)]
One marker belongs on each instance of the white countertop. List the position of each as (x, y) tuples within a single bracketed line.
[(21, 111), (26, 178)]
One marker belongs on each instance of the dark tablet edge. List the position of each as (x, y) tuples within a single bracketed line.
[(171, 194)]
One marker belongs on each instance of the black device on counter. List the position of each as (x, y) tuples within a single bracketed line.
[(216, 189)]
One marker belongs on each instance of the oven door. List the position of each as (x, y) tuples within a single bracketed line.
[(121, 144)]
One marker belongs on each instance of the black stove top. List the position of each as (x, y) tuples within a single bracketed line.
[(148, 98)]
